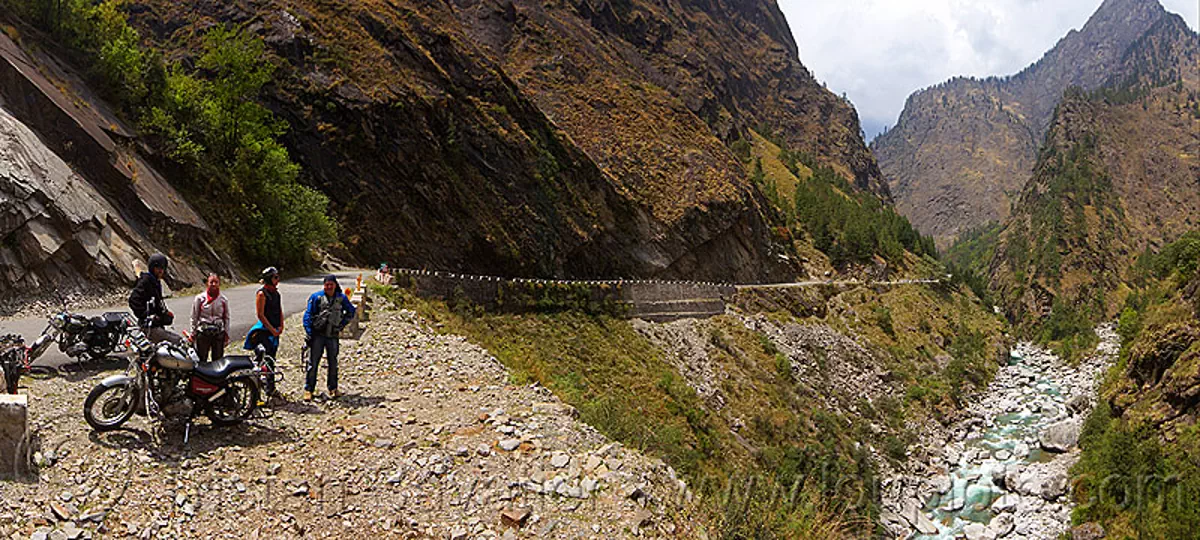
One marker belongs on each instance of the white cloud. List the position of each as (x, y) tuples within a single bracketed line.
[(880, 51)]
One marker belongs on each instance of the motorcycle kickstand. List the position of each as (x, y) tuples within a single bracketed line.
[(187, 431)]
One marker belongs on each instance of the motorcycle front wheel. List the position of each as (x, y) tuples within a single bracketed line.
[(237, 403), (109, 407), (40, 345)]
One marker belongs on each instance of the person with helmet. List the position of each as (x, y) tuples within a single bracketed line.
[(146, 302), (269, 309)]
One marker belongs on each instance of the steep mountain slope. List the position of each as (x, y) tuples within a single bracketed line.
[(1144, 428), (79, 210), (1119, 173), (961, 150), (584, 138)]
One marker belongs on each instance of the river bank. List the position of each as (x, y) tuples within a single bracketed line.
[(1002, 471)]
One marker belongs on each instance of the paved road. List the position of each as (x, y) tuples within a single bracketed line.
[(294, 293)]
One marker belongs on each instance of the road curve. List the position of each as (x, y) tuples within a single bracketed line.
[(294, 293)]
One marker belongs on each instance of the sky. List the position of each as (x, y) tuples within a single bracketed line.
[(878, 52)]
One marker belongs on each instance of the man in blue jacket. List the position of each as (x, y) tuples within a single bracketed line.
[(328, 312)]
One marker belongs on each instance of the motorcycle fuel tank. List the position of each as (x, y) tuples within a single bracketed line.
[(175, 358)]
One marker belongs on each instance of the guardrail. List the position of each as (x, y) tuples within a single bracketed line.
[(650, 299)]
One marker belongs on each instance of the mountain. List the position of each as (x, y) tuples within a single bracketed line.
[(1119, 175), (1144, 424), (582, 138), (961, 150)]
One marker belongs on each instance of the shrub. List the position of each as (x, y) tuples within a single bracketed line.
[(208, 121)]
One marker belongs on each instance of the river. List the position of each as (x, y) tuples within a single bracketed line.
[(1008, 472)]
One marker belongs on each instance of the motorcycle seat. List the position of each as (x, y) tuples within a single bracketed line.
[(220, 369), (112, 319)]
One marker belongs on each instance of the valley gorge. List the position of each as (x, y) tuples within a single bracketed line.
[(676, 294)]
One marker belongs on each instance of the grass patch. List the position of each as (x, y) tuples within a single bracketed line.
[(793, 469)]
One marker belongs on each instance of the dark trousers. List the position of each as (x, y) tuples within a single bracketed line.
[(328, 346), (206, 344)]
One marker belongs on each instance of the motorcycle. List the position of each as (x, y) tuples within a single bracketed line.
[(82, 338), (226, 391), (14, 360)]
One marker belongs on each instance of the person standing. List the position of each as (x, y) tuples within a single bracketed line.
[(327, 313), (268, 307), (146, 302), (210, 321)]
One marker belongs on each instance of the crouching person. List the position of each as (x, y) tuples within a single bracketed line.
[(328, 312)]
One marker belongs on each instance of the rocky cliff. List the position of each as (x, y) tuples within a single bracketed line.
[(578, 138), (962, 150), (79, 208), (1119, 174)]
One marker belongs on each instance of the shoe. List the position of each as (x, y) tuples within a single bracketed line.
[(307, 395), (335, 393)]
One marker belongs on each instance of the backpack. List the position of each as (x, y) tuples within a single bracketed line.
[(328, 319)]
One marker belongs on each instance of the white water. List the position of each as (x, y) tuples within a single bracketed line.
[(1027, 395)]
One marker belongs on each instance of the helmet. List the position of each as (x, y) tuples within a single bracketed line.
[(269, 272), (158, 260)]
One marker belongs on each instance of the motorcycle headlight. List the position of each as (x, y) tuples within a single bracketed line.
[(59, 321)]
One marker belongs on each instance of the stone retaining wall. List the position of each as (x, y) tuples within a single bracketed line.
[(644, 299), (14, 435)]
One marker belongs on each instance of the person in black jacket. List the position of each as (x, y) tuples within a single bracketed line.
[(146, 302)]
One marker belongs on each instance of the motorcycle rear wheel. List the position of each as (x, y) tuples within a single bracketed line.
[(237, 404), (109, 407)]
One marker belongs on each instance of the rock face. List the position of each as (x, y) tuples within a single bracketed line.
[(961, 150), (1162, 383), (77, 210), (1113, 179), (579, 138)]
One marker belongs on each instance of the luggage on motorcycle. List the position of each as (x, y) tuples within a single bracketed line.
[(111, 321)]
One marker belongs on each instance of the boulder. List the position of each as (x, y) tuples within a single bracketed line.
[(998, 477), (914, 516), (1060, 436), (1078, 405), (1006, 503), (1002, 525), (1053, 486), (977, 531)]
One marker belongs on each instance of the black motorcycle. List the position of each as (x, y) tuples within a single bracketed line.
[(14, 360), (226, 391), (81, 337)]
